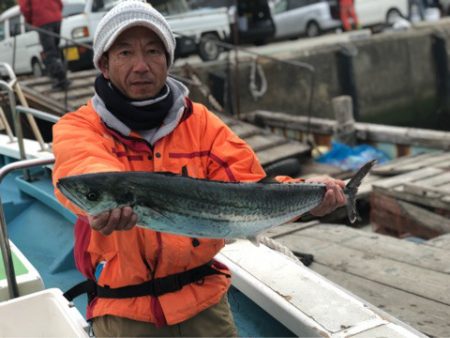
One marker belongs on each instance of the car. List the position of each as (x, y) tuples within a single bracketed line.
[(376, 12), (309, 18), (373, 13), (20, 46), (196, 31), (252, 20)]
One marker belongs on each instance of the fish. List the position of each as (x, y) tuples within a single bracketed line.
[(193, 207)]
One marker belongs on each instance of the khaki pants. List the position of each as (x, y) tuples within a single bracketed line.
[(216, 321)]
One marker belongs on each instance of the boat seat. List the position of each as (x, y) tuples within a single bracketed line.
[(28, 278), (46, 314)]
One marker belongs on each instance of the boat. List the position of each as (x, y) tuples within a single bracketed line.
[(272, 295)]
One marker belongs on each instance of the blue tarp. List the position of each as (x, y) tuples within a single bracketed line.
[(351, 158)]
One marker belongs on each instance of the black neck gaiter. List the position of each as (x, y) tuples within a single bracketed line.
[(134, 117)]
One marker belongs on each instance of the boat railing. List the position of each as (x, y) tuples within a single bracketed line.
[(4, 238), (12, 88)]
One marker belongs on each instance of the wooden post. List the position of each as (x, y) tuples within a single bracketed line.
[(31, 120), (345, 131)]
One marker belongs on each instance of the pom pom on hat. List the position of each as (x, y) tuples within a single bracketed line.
[(127, 14)]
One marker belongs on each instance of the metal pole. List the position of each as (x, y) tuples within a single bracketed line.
[(17, 126), (37, 113), (237, 99), (4, 239)]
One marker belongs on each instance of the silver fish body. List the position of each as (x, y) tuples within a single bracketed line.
[(193, 207)]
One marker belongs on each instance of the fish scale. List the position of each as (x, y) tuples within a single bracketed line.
[(198, 207)]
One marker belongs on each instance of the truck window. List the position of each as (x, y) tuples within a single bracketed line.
[(103, 5), (166, 7), (73, 7), (293, 4), (170, 7), (14, 25), (2, 30), (280, 6)]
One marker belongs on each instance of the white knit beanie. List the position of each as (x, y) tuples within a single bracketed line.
[(126, 14)]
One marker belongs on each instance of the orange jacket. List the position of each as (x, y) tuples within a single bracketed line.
[(202, 143)]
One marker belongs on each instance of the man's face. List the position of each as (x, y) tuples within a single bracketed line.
[(136, 63)]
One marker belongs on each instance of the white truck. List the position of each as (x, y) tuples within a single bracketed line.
[(196, 31)]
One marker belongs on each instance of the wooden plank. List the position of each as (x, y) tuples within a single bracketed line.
[(45, 102), (425, 315), (262, 142), (442, 165), (76, 83), (289, 228), (413, 194), (437, 182), (244, 130), (366, 132), (442, 242), (406, 178), (397, 166), (426, 283), (429, 162), (283, 151), (90, 73), (393, 216), (401, 135), (294, 122), (380, 245), (430, 196), (75, 94)]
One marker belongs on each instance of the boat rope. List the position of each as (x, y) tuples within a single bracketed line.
[(254, 91), (300, 258)]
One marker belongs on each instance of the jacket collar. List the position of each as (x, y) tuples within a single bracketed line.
[(173, 118)]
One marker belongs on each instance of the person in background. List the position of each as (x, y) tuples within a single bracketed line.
[(46, 15), (347, 12), (142, 282)]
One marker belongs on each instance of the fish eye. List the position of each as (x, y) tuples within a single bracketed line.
[(92, 196)]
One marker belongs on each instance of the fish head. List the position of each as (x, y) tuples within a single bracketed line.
[(95, 193)]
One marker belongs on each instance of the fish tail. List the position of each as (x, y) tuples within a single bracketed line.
[(351, 190)]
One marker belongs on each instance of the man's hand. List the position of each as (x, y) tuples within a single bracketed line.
[(113, 220), (334, 196)]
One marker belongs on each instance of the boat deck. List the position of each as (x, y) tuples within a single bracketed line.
[(408, 280)]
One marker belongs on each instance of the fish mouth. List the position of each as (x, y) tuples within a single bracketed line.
[(72, 197)]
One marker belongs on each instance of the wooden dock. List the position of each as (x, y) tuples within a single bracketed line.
[(271, 148), (408, 280)]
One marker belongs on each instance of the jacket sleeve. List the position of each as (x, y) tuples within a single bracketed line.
[(80, 148), (26, 10), (230, 158)]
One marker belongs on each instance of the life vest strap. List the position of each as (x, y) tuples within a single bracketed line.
[(155, 287)]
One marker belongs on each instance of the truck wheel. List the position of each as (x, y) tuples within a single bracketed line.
[(36, 68), (208, 49), (312, 29)]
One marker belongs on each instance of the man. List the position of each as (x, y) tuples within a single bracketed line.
[(142, 120), (46, 15), (347, 12)]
